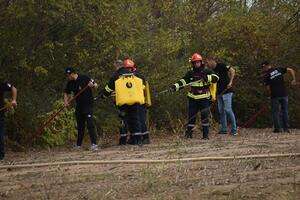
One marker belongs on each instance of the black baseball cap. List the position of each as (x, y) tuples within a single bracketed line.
[(265, 63), (69, 70)]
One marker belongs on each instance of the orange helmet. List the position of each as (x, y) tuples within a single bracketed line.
[(196, 57), (128, 63)]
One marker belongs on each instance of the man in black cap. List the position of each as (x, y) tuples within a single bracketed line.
[(274, 80), (84, 104), (3, 88)]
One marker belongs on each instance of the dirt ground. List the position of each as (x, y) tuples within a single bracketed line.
[(271, 178)]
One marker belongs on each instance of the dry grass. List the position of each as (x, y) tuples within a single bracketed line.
[(225, 180)]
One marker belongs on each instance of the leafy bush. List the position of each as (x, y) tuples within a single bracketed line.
[(61, 130)]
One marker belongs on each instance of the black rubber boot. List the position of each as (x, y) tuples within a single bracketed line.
[(123, 140), (205, 136), (146, 139), (132, 140), (139, 139), (189, 133)]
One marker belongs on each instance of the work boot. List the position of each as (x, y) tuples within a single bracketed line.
[(188, 135), (189, 132), (277, 130), (139, 139), (286, 130), (123, 140), (146, 139), (205, 136), (132, 140)]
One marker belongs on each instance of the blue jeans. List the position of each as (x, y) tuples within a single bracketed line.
[(1, 139), (225, 108), (283, 102)]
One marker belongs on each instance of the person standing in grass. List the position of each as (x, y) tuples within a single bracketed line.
[(226, 74), (131, 107), (4, 87), (274, 81), (84, 105), (199, 79)]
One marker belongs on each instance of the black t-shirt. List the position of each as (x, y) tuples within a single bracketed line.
[(222, 71), (3, 87), (84, 100), (274, 79)]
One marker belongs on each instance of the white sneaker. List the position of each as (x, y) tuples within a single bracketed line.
[(76, 147), (93, 147)]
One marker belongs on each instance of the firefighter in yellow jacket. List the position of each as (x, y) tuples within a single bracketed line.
[(200, 79)]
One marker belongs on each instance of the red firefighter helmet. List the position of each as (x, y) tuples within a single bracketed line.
[(128, 63), (196, 57)]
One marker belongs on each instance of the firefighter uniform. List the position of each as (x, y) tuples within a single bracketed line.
[(199, 95), (130, 111)]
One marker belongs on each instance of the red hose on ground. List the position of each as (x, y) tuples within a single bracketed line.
[(259, 112)]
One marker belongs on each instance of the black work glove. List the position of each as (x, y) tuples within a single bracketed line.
[(172, 88)]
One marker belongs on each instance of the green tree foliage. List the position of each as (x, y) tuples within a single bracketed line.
[(40, 38)]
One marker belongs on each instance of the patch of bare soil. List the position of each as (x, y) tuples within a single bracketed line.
[(268, 178)]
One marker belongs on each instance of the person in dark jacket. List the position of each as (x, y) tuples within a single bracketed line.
[(199, 78), (5, 87), (143, 114), (123, 128), (274, 80), (131, 112)]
